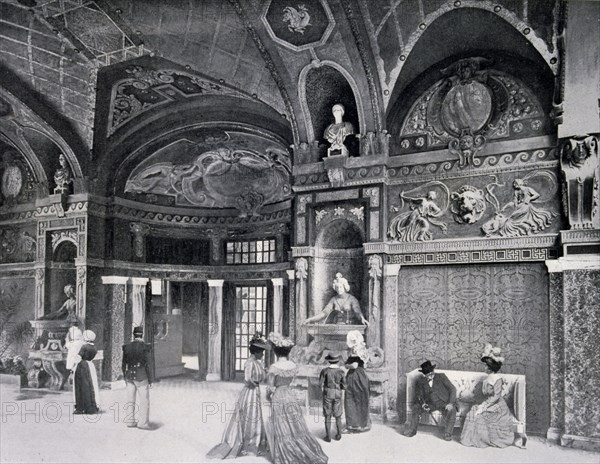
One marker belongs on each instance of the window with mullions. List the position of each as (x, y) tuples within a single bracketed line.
[(250, 317), (250, 252)]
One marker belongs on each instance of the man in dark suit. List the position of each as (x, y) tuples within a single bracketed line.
[(433, 392), (137, 372)]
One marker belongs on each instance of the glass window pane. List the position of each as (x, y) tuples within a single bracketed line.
[(245, 246), (229, 247), (245, 258), (272, 256), (259, 246)]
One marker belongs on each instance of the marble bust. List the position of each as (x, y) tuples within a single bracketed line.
[(337, 132), (62, 176), (342, 308)]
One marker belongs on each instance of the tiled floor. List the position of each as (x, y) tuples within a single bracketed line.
[(188, 418)]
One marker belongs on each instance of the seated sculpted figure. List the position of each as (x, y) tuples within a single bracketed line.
[(343, 308), (67, 310)]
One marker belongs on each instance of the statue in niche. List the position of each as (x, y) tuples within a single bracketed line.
[(337, 132), (68, 309), (415, 225), (525, 218), (467, 204), (62, 176), (342, 308)]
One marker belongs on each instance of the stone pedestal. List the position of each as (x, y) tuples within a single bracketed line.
[(308, 391), (47, 357)]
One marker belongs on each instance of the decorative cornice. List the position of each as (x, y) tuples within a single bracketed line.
[(468, 244), (580, 236), (400, 173), (573, 264), (303, 251)]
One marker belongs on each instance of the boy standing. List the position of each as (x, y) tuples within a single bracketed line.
[(333, 381)]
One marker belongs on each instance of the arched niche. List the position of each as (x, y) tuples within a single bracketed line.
[(62, 271), (338, 249), (320, 87), (467, 32)]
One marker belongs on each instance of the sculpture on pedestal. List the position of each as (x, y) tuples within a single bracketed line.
[(337, 132)]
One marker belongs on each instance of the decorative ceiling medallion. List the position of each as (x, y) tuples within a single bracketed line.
[(298, 25)]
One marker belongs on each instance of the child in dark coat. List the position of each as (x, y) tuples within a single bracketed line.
[(333, 381)]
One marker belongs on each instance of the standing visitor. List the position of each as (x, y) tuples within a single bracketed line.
[(138, 378)]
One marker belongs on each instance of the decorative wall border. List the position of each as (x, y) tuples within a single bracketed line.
[(468, 257), (580, 236)]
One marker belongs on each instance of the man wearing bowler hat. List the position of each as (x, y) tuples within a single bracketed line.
[(137, 371), (433, 392)]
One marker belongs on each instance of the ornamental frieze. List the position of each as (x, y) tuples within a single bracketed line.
[(469, 257)]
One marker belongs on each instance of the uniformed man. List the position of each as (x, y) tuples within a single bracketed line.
[(137, 372)]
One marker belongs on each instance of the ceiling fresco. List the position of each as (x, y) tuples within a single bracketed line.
[(219, 169)]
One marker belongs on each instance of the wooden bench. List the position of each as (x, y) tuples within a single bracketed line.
[(468, 394)]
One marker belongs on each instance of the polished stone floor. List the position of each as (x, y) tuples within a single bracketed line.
[(188, 418)]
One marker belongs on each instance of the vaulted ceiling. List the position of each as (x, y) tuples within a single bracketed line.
[(97, 65)]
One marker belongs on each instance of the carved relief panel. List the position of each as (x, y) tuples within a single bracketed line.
[(500, 205)]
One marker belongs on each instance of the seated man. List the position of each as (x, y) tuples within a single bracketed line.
[(434, 392)]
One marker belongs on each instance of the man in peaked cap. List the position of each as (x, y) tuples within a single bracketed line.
[(434, 392), (137, 373)]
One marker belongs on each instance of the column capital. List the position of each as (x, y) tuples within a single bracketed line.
[(277, 282), (291, 274), (139, 280), (391, 270), (215, 282), (115, 280)]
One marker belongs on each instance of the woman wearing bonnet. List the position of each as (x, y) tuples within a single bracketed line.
[(491, 422), (356, 402), (85, 379)]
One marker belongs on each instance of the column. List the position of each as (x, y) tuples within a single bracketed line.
[(396, 391), (557, 352), (301, 300), (138, 301), (116, 298), (292, 304), (278, 305), (215, 320), (81, 288), (139, 231), (374, 317)]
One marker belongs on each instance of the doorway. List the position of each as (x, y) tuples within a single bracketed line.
[(250, 317)]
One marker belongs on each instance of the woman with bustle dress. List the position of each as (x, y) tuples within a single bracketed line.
[(85, 379), (290, 441), (356, 402), (491, 422), (244, 434)]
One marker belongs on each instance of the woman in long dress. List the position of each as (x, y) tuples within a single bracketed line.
[(244, 433), (491, 422), (356, 402), (85, 379), (290, 441), (73, 344)]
